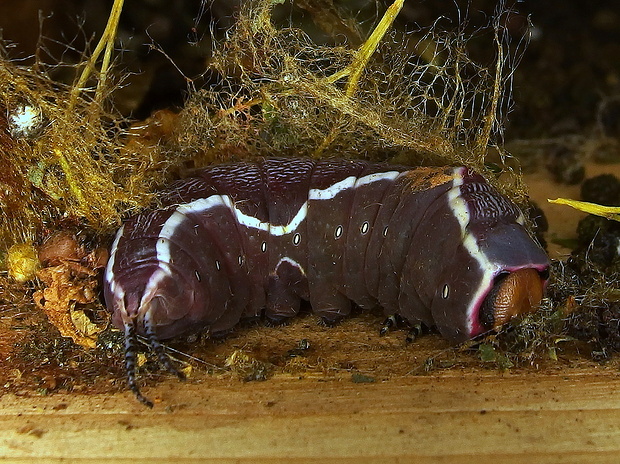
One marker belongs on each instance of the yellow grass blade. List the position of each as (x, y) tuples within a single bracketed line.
[(609, 212)]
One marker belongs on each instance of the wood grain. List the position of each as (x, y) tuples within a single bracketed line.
[(473, 417)]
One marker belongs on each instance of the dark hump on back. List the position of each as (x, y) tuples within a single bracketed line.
[(286, 182), (486, 205), (242, 182), (328, 172)]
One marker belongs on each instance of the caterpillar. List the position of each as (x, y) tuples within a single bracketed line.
[(437, 246)]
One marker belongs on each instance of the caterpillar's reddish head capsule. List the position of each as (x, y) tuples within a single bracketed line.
[(519, 293)]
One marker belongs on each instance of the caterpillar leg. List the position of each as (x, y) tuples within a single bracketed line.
[(393, 321), (415, 331)]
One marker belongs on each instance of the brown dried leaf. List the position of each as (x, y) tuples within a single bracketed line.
[(67, 285)]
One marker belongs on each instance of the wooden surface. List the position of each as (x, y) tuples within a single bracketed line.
[(477, 417)]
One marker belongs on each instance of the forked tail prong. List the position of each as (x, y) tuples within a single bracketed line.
[(131, 340)]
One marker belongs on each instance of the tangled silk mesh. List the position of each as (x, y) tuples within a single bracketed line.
[(69, 169), (419, 99)]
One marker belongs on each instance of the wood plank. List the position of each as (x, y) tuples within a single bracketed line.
[(472, 417)]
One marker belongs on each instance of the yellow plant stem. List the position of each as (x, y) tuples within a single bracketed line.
[(73, 185), (239, 107), (106, 42), (609, 212), (482, 140), (355, 69)]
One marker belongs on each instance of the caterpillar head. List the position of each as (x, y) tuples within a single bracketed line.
[(487, 285)]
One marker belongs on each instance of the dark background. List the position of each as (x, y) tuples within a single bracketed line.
[(570, 68)]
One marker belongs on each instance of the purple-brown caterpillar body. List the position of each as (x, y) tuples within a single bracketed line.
[(436, 246)]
